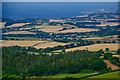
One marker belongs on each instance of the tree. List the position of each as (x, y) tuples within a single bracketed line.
[(113, 41), (63, 50), (107, 49), (98, 42), (108, 56), (116, 59), (118, 51)]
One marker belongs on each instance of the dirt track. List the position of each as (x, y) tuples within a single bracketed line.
[(109, 64)]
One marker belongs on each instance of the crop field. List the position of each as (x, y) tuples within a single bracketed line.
[(7, 43), (49, 44), (19, 32), (95, 47), (78, 30)]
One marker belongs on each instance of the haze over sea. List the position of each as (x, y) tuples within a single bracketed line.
[(21, 10)]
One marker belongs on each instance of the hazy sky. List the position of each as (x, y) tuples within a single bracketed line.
[(59, 0)]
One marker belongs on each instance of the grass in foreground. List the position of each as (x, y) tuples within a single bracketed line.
[(107, 75), (78, 75)]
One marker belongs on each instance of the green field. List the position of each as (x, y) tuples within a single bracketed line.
[(77, 75), (80, 75), (107, 75)]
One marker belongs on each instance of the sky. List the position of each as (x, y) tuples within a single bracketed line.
[(59, 0)]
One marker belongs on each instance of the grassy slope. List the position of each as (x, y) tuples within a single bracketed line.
[(78, 75), (107, 75)]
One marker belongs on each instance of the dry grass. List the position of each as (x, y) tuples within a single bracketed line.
[(49, 44), (7, 43), (19, 32), (95, 47)]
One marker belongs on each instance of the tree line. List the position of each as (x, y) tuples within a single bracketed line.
[(16, 60)]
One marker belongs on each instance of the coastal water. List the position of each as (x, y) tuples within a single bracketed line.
[(21, 10)]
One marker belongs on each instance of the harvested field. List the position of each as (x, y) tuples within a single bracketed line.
[(92, 38), (95, 47), (116, 56), (99, 38), (7, 43), (23, 38), (110, 23), (3, 24), (102, 39), (19, 32), (33, 53), (78, 30), (51, 30), (46, 26), (18, 24), (49, 44)]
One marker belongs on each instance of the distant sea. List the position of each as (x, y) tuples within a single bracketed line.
[(53, 10)]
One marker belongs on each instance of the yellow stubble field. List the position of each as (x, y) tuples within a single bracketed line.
[(94, 47)]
